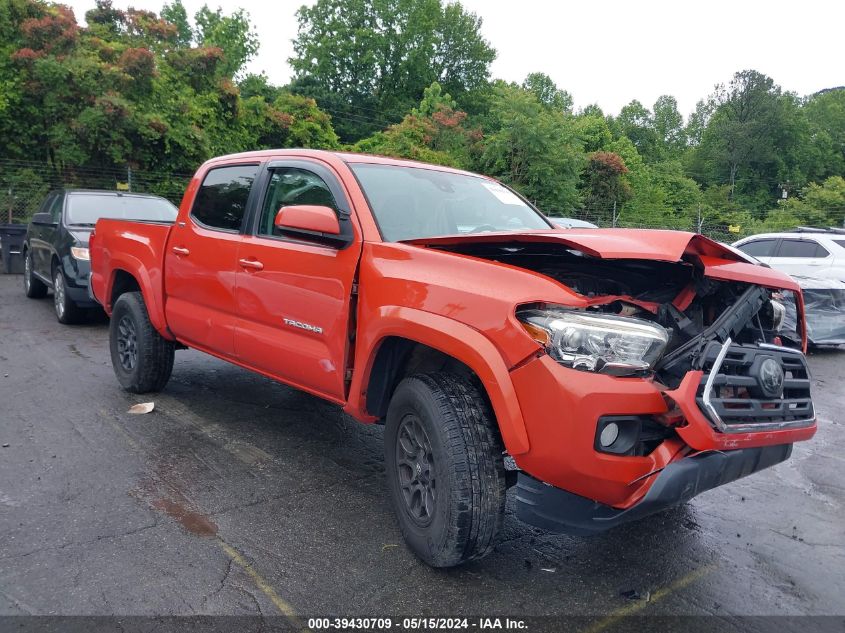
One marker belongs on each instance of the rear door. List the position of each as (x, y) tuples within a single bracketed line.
[(805, 258), (200, 262), (295, 296)]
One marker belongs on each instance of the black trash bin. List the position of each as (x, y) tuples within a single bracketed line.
[(11, 241)]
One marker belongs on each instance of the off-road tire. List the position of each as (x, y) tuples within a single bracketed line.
[(67, 312), (33, 287), (153, 354), (468, 470)]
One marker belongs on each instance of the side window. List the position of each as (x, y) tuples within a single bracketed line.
[(759, 248), (289, 186), (222, 197), (800, 248), (47, 203), (56, 209)]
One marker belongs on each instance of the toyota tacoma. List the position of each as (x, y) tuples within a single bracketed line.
[(605, 374)]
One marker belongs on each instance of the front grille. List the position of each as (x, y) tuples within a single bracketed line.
[(736, 399)]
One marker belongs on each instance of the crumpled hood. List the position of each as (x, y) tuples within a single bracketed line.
[(605, 243), (719, 261)]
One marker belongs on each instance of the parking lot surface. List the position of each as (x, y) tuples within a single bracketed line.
[(240, 496)]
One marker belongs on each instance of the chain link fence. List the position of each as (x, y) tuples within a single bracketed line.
[(25, 184)]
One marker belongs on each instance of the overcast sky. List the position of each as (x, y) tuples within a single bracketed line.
[(612, 51)]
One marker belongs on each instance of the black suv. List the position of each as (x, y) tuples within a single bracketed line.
[(55, 249)]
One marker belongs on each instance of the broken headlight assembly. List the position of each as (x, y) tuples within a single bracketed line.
[(610, 344)]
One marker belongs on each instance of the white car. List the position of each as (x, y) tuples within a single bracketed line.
[(805, 253)]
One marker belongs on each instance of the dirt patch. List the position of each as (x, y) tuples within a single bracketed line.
[(192, 521)]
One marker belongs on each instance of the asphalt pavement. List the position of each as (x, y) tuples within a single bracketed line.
[(240, 496)]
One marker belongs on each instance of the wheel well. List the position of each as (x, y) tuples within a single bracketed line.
[(123, 282), (398, 358)]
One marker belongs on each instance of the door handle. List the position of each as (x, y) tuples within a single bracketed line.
[(181, 251), (251, 263)]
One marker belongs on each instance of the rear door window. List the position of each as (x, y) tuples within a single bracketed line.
[(800, 249), (222, 198), (759, 248)]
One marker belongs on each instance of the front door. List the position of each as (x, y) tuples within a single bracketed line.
[(294, 296), (201, 261)]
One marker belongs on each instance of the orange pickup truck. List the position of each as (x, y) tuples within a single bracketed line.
[(605, 374)]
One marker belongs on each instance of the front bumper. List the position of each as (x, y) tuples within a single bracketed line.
[(557, 510), (562, 407), (77, 274)]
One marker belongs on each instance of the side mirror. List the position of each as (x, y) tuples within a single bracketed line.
[(308, 219), (43, 218)]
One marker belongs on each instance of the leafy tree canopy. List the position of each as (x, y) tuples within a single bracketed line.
[(162, 92), (376, 58)]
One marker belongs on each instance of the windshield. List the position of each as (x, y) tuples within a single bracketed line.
[(85, 209), (414, 202)]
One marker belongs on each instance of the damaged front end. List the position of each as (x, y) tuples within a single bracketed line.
[(676, 376), (753, 374), (675, 321)]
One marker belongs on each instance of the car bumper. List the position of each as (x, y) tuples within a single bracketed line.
[(77, 274), (562, 408), (557, 510)]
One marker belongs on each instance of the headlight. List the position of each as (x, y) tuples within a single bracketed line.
[(597, 342), (80, 252)]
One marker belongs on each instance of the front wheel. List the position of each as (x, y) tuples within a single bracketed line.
[(67, 311), (141, 357), (444, 463)]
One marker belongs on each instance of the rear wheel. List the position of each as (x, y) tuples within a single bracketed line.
[(142, 359), (444, 463), (32, 286), (67, 311)]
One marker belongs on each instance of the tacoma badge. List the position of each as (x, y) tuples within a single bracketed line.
[(303, 326)]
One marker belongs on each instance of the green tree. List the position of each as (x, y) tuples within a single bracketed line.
[(534, 149), (698, 120), (593, 131), (233, 34), (129, 91), (252, 85), (819, 204), (750, 139), (603, 182), (825, 117), (174, 12), (669, 126), (434, 132), (636, 122), (369, 62), (547, 92), (647, 205)]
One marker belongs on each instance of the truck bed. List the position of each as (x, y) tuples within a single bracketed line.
[(134, 246)]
